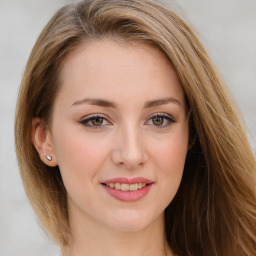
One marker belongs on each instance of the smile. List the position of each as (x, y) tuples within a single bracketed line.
[(128, 190), (126, 187)]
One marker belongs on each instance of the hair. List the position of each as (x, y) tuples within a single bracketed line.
[(214, 210)]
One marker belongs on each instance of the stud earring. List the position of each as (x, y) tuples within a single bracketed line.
[(49, 158)]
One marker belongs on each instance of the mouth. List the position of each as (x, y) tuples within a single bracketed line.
[(128, 190), (126, 186)]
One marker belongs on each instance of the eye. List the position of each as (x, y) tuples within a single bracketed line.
[(160, 120), (95, 121)]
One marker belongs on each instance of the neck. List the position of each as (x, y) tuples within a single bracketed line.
[(92, 239)]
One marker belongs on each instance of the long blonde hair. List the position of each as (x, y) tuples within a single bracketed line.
[(214, 210)]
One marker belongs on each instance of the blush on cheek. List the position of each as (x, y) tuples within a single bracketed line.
[(173, 151), (80, 157), (171, 161)]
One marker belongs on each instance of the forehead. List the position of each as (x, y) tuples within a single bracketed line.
[(96, 53), (107, 66)]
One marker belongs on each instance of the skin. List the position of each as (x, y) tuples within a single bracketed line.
[(129, 142)]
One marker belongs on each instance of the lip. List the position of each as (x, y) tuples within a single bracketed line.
[(128, 196), (128, 180)]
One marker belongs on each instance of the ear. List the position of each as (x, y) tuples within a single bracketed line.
[(42, 140)]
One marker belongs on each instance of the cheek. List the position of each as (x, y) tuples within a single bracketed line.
[(79, 156), (171, 153), (80, 160), (169, 161)]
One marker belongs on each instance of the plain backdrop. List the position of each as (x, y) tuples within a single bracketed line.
[(227, 28)]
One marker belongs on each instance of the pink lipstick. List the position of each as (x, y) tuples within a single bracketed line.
[(129, 190)]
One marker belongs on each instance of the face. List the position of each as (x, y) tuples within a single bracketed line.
[(119, 134)]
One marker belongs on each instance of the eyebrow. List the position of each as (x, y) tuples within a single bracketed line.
[(110, 104), (98, 102), (158, 102)]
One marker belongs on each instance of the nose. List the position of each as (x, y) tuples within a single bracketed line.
[(129, 151)]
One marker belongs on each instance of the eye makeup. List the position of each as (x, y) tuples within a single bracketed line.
[(97, 121)]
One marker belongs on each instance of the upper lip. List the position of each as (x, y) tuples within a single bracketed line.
[(126, 180)]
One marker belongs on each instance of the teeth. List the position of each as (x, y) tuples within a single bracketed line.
[(117, 186), (133, 187), (127, 187)]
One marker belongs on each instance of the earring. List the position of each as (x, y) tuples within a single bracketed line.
[(49, 158)]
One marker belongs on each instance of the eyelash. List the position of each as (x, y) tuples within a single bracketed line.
[(92, 117), (167, 119)]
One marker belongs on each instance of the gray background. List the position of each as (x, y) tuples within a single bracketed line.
[(227, 28)]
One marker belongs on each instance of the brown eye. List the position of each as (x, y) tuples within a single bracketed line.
[(97, 121), (158, 120)]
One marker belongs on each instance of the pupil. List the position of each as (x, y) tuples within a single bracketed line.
[(97, 121), (158, 120)]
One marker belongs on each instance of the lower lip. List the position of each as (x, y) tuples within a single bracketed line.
[(128, 196)]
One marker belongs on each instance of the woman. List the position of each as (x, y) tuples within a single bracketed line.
[(127, 140)]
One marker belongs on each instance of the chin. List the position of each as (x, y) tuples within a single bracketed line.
[(133, 221)]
